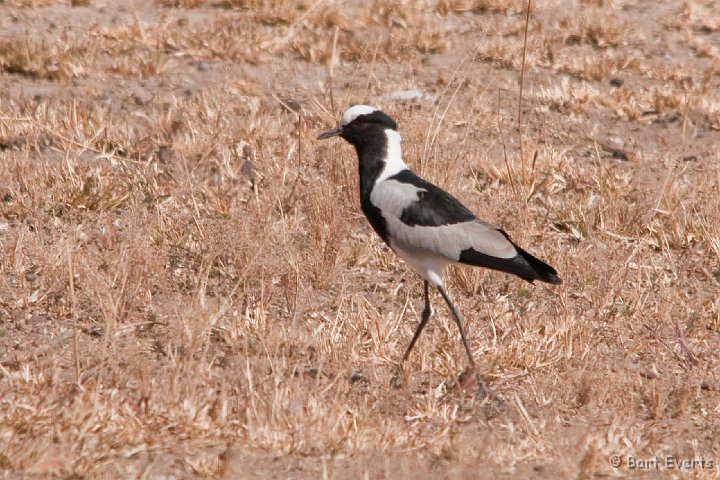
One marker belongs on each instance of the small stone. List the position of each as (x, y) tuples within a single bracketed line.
[(404, 95), (649, 374), (142, 97), (247, 168), (573, 40), (291, 105), (166, 154), (356, 377)]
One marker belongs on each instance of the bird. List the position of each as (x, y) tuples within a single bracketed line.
[(422, 223)]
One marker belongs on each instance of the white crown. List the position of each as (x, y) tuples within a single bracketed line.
[(355, 111)]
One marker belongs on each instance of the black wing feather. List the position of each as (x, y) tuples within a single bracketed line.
[(434, 206), (524, 265)]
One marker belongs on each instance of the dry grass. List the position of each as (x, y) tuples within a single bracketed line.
[(188, 289)]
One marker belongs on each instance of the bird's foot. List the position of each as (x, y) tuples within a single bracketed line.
[(398, 379), (470, 381)]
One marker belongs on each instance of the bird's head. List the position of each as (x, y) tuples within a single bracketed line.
[(360, 121)]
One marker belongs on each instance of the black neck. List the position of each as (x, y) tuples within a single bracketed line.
[(370, 166), (371, 148)]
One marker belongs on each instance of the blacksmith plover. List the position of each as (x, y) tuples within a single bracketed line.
[(422, 223)]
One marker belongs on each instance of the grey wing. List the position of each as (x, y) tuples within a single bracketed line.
[(450, 241)]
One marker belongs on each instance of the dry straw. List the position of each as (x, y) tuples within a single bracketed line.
[(188, 288)]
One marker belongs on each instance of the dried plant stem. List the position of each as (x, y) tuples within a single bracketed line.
[(292, 30), (524, 413), (508, 168), (331, 69), (372, 68), (521, 141), (73, 312), (669, 179), (431, 134)]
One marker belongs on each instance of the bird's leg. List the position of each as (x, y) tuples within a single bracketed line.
[(425, 317), (458, 321)]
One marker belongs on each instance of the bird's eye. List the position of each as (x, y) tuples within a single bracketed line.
[(359, 121)]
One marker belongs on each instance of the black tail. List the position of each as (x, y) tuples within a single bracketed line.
[(541, 270), (523, 265)]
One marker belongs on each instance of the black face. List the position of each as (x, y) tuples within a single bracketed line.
[(363, 128)]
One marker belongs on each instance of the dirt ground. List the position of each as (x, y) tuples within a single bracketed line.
[(188, 288)]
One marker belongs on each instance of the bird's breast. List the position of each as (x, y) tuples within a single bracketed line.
[(375, 218)]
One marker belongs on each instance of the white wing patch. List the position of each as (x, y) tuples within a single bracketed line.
[(392, 197)]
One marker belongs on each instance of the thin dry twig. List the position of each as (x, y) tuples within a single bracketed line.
[(372, 67), (506, 160), (432, 133), (523, 412), (73, 311), (520, 93), (682, 341), (331, 69)]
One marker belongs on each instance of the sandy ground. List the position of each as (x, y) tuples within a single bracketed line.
[(188, 288)]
